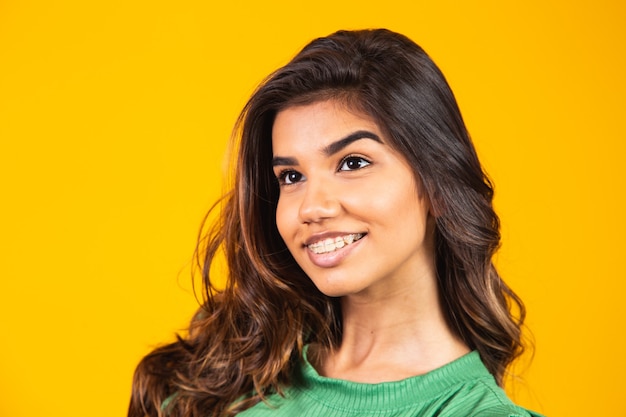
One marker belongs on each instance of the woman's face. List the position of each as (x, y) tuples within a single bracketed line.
[(350, 210)]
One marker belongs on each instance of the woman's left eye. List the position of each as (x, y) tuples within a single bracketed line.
[(353, 163)]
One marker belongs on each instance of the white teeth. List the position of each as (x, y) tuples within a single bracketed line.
[(330, 245)]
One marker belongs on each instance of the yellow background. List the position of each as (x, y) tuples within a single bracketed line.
[(114, 118)]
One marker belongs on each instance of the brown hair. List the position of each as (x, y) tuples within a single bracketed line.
[(246, 337)]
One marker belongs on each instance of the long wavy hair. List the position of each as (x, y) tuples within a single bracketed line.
[(248, 335)]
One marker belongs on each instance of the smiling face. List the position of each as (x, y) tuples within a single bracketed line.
[(350, 210)]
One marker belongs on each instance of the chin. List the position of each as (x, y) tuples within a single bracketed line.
[(334, 291)]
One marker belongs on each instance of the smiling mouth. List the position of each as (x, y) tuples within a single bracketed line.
[(331, 245)]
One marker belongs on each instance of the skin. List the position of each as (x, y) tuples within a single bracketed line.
[(339, 178)]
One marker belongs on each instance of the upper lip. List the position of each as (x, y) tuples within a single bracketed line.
[(318, 237)]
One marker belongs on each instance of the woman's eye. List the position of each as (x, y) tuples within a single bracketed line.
[(289, 177), (352, 163)]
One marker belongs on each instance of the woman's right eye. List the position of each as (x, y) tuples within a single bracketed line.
[(289, 177)]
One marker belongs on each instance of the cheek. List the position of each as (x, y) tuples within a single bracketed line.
[(282, 219), (384, 198)]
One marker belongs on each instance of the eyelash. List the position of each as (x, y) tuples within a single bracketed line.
[(350, 158), (284, 174)]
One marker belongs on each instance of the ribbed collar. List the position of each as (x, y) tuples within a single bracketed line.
[(354, 396)]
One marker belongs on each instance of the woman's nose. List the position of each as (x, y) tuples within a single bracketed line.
[(320, 202)]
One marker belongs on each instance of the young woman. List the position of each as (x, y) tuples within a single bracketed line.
[(359, 239)]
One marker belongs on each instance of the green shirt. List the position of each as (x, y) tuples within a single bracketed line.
[(463, 387)]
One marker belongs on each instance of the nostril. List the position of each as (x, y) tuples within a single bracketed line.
[(312, 211)]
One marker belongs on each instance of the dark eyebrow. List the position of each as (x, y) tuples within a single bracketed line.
[(335, 147), (332, 148), (279, 160)]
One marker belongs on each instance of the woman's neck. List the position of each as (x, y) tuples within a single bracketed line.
[(397, 335)]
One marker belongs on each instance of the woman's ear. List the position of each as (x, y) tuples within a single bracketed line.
[(436, 206), (435, 203)]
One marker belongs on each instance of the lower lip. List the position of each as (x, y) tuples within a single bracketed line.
[(334, 258)]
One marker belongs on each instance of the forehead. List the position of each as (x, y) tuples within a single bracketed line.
[(318, 124)]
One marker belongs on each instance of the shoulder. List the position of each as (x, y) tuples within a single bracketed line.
[(482, 397), (505, 410)]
